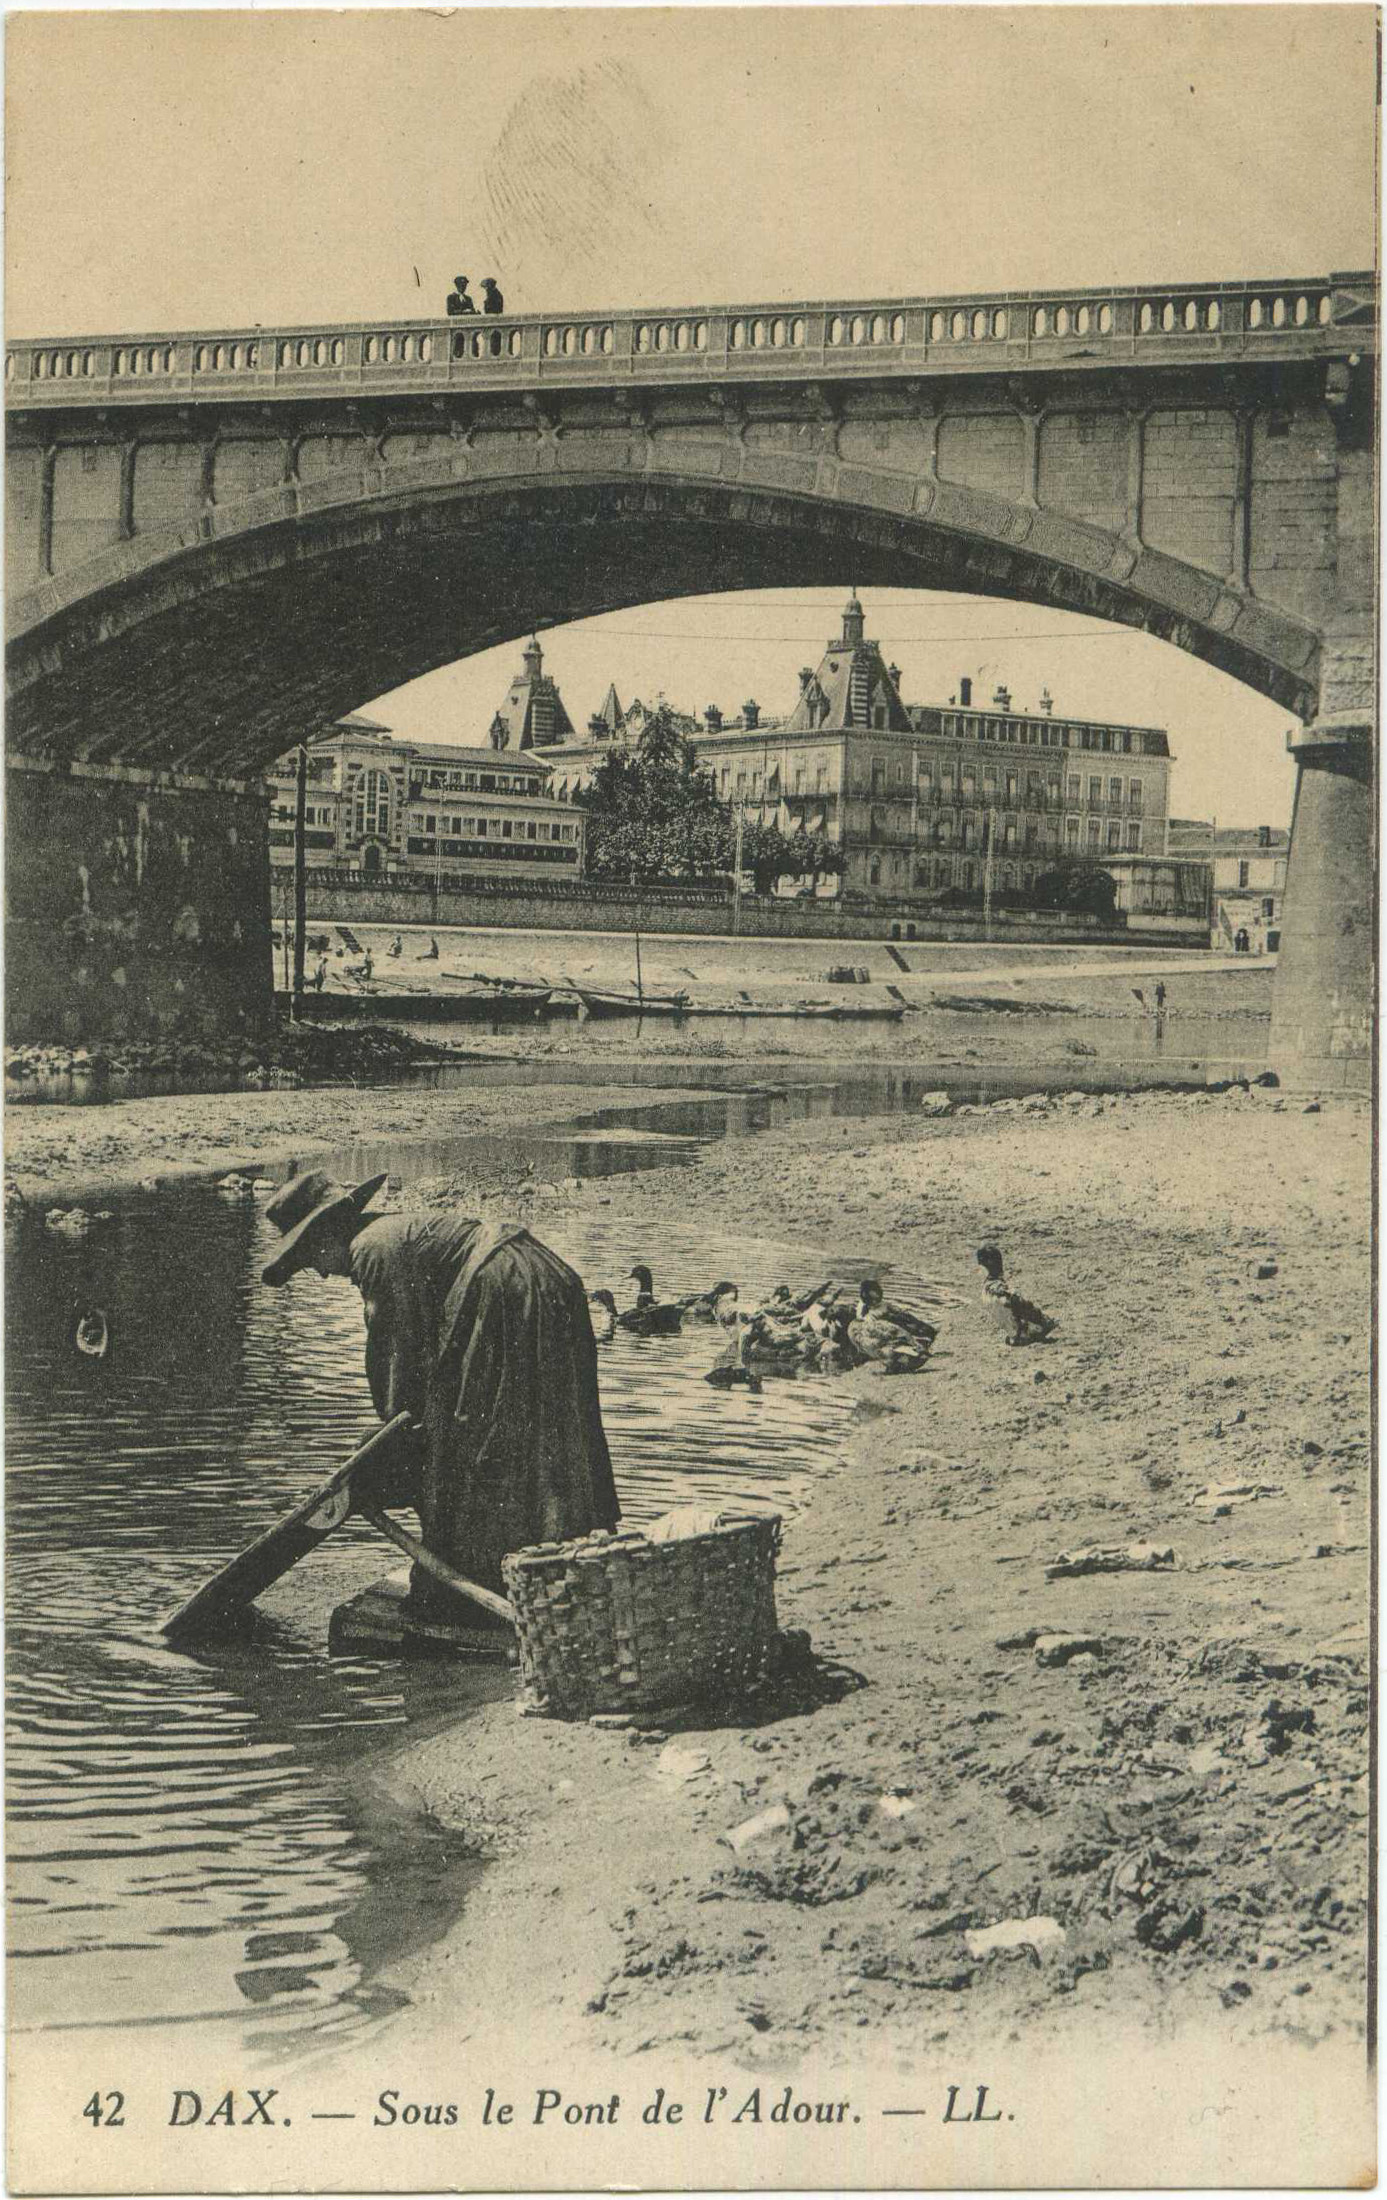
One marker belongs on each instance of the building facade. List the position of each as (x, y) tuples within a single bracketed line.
[(916, 794), (1249, 879), (386, 808)]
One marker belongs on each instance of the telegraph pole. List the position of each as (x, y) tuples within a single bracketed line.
[(990, 829), (300, 867)]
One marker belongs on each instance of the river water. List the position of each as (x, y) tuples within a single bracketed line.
[(202, 1837), (199, 1837)]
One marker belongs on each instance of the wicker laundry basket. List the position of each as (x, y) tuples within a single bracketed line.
[(617, 1623)]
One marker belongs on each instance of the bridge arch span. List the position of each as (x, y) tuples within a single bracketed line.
[(213, 643)]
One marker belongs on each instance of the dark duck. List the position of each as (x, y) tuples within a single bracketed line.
[(648, 1318), (718, 1305)]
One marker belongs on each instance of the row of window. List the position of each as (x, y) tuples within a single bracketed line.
[(1048, 733), (940, 871), (747, 785), (1078, 833), (440, 780), (1006, 787), (493, 828)]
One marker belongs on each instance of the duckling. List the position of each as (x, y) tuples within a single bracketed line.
[(718, 1305), (602, 1312), (897, 1350), (647, 1318)]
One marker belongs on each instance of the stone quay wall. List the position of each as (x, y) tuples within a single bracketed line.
[(526, 907)]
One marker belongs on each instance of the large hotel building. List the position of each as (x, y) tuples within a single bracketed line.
[(913, 793)]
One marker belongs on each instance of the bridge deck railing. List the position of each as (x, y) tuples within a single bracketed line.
[(1010, 329)]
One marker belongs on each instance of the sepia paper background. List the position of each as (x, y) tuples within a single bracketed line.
[(179, 170)]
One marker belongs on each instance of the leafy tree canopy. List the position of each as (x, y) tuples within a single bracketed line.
[(654, 814)]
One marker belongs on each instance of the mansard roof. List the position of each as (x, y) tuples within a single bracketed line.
[(533, 715), (850, 685)]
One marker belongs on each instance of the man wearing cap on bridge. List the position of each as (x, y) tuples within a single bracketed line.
[(483, 1336)]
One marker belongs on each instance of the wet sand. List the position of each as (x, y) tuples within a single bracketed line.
[(1188, 1800), (55, 1153)]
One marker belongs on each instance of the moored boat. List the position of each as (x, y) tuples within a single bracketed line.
[(597, 1001)]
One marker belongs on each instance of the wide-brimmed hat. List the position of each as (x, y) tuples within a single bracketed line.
[(304, 1204)]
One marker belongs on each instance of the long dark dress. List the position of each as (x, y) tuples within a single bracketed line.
[(483, 1334)]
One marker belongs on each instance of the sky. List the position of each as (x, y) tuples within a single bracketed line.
[(1230, 744), (172, 170)]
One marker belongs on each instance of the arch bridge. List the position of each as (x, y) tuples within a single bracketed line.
[(219, 539)]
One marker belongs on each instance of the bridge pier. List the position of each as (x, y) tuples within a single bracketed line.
[(137, 904), (1323, 997)]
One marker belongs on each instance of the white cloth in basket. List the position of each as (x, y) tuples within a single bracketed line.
[(672, 1527)]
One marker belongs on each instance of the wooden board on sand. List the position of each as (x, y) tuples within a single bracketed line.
[(271, 1555)]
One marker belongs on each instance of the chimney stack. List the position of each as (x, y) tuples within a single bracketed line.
[(712, 718), (965, 692), (1047, 701), (1002, 697), (751, 714)]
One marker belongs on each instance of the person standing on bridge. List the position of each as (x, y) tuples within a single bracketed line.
[(492, 301), (483, 1336), (458, 299)]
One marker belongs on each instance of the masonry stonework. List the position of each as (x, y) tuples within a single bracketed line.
[(216, 540), (137, 906)]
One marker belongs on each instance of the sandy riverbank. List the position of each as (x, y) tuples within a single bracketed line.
[(1001, 1020), (1190, 1808)]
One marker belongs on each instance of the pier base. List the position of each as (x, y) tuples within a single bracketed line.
[(1323, 997)]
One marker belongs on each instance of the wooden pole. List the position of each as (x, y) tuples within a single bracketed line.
[(640, 989), (300, 867), (438, 1567)]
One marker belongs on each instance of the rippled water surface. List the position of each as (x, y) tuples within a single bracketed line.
[(201, 1836)]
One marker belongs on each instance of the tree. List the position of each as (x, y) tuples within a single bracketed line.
[(1084, 888), (820, 857), (653, 812)]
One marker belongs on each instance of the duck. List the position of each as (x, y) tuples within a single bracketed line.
[(602, 1313), (828, 1321), (766, 1339), (729, 1371), (647, 1318), (896, 1339), (718, 1305)]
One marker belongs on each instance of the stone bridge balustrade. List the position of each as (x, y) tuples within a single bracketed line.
[(1219, 320)]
